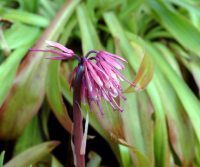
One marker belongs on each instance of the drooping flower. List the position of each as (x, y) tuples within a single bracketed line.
[(101, 76), (61, 51), (101, 79)]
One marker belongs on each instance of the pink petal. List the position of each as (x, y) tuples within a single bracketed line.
[(108, 70), (104, 95), (94, 74), (59, 46), (113, 62), (113, 55), (105, 81), (120, 75), (102, 75), (93, 95), (56, 57), (114, 92), (111, 102), (99, 70), (51, 51), (88, 81)]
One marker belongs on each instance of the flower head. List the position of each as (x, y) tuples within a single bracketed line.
[(101, 79), (101, 75)]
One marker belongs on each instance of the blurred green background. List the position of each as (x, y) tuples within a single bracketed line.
[(160, 126)]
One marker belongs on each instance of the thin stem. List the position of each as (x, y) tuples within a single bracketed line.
[(77, 57), (78, 118), (91, 51)]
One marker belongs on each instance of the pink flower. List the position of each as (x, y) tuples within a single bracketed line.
[(62, 52), (101, 79), (101, 75)]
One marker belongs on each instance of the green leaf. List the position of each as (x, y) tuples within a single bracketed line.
[(161, 147), (19, 35), (177, 25), (32, 131), (89, 37), (191, 7), (53, 92), (119, 34), (32, 155), (94, 160), (31, 7), (66, 90), (143, 76), (25, 17), (48, 8), (8, 71), (125, 155), (141, 160), (191, 64), (170, 57), (55, 162), (44, 116), (141, 136), (179, 124), (69, 28), (2, 158), (20, 106), (187, 98), (197, 153)]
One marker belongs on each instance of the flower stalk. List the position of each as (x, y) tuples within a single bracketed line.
[(78, 118)]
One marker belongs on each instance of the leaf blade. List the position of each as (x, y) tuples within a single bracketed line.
[(32, 155)]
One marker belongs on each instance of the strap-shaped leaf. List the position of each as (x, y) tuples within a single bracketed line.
[(142, 160), (8, 71), (2, 158), (25, 17), (143, 76), (180, 27), (53, 92), (32, 155)]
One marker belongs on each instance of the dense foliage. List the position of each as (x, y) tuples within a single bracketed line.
[(160, 125)]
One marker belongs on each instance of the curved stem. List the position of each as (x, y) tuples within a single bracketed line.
[(91, 51), (78, 118), (77, 57)]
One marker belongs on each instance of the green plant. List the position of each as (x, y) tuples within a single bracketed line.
[(159, 127)]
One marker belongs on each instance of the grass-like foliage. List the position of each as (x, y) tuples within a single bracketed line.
[(160, 124)]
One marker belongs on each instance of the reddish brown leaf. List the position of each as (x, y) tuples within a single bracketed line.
[(143, 76)]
